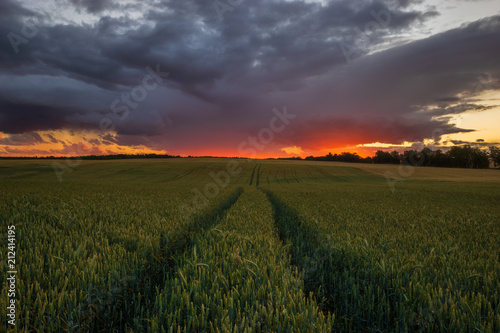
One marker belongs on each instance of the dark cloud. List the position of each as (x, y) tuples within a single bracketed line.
[(53, 139), (225, 75), (12, 9), (461, 108), (198, 54), (77, 149), (478, 143), (16, 118), (448, 99), (24, 152), (24, 139), (94, 142), (93, 6), (405, 3)]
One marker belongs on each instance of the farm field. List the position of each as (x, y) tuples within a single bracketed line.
[(220, 245)]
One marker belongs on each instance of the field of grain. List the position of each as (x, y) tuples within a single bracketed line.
[(220, 245)]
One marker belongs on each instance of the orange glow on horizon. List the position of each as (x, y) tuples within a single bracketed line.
[(65, 143)]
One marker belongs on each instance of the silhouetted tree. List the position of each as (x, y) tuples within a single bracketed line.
[(395, 158), (495, 155), (382, 157), (467, 157)]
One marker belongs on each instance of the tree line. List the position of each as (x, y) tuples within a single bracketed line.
[(456, 157), (92, 157)]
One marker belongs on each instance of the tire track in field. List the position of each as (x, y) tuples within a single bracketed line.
[(309, 174), (313, 175), (258, 176), (331, 177), (206, 219), (308, 249), (162, 265), (266, 255), (181, 175), (327, 271), (252, 175)]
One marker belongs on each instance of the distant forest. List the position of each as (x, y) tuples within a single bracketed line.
[(93, 157), (456, 157)]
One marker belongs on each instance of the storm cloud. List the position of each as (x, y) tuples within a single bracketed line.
[(342, 67)]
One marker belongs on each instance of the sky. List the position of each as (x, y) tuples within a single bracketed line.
[(261, 78)]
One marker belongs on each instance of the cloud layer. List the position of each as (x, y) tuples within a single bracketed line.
[(343, 68)]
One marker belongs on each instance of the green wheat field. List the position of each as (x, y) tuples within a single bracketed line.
[(219, 245)]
